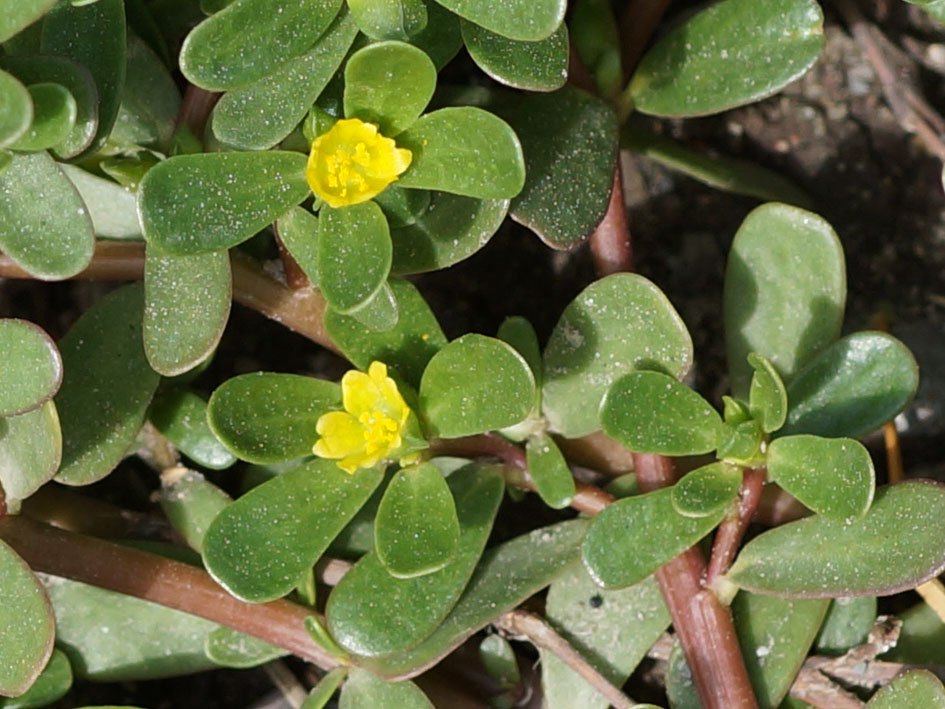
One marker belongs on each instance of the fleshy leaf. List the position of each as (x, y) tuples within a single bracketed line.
[(596, 38), (520, 333), (373, 613), (617, 324), (612, 629), (388, 84), (853, 387), (113, 209), (181, 416), (191, 503), (832, 476), (265, 417), (847, 625), (475, 384), (569, 139), (528, 20), (416, 531), (898, 544), (775, 635), (92, 35), (323, 691), (787, 315), (231, 648), (237, 46), (30, 451), (26, 624), (504, 578), (449, 230), (532, 66), (465, 151), (732, 53), (441, 38), (363, 690), (354, 254), (54, 113), (49, 687), (406, 348), (389, 19), (500, 662), (299, 233), (16, 15), (549, 471), (107, 387), (767, 397), (916, 688), (50, 238), (259, 547), (210, 201), (260, 114), (186, 306), (652, 412), (32, 367), (706, 490), (16, 110)]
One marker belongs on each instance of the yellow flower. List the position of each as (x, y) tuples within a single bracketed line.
[(371, 426), (353, 163)]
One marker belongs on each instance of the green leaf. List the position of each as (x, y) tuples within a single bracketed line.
[(186, 306), (259, 547), (498, 659), (49, 687), (787, 315), (595, 37), (319, 633), (49, 238), (740, 443), (416, 531), (107, 387), (389, 19), (150, 100), (32, 367), (616, 325), (528, 20), (16, 15), (922, 640), (441, 38), (54, 114), (112, 208), (265, 417), (231, 648), (298, 230), (16, 110), (181, 416), (260, 114), (30, 451), (92, 35), (144, 640), (505, 577), (549, 471), (706, 490), (191, 503), (380, 313), (372, 613), (652, 412), (192, 204), (569, 138), (519, 333), (719, 171), (733, 53), (77, 80), (767, 397), (26, 625), (853, 387), (847, 625), (832, 476), (326, 687), (465, 151), (451, 229), (532, 66), (354, 255), (406, 348), (897, 545), (916, 688), (613, 630), (364, 690), (249, 39), (403, 207), (775, 635), (389, 84), (615, 551), (475, 384)]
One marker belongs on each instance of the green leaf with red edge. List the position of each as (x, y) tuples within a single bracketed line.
[(531, 66), (30, 450), (364, 690), (528, 20), (32, 367)]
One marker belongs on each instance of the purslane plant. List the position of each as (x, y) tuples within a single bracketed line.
[(360, 539)]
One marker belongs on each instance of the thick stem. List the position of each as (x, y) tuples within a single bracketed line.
[(637, 24), (196, 107), (164, 581), (732, 530), (610, 243), (704, 626)]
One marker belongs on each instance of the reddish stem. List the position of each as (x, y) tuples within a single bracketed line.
[(732, 530), (704, 626), (610, 243), (637, 24), (164, 581), (294, 275), (196, 108)]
